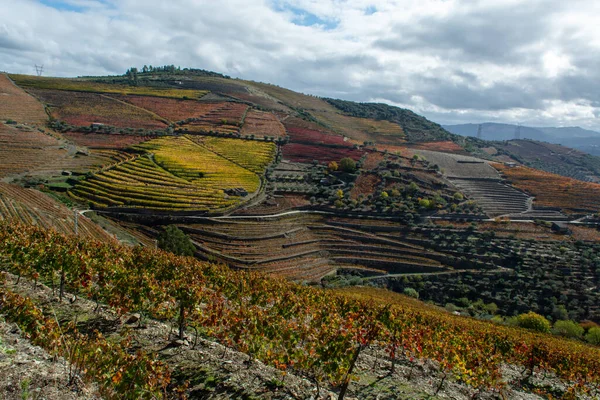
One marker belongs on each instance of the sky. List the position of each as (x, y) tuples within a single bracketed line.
[(534, 62)]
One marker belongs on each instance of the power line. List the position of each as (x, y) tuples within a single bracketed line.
[(39, 70)]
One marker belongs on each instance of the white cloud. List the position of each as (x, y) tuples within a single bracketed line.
[(452, 60)]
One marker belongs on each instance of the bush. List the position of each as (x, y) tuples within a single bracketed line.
[(174, 240), (347, 164), (593, 336), (534, 322), (411, 293), (568, 329)]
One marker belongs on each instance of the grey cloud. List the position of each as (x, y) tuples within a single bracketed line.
[(482, 59), (498, 35)]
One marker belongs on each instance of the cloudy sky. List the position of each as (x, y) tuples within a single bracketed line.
[(535, 62)]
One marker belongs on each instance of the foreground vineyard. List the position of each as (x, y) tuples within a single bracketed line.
[(309, 331)]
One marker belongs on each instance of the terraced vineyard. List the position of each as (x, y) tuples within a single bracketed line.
[(177, 174), (260, 124), (172, 109), (17, 105), (227, 118), (250, 154), (445, 147), (83, 109), (480, 182), (305, 153), (551, 190), (309, 246), (26, 150), (86, 85), (31, 207), (105, 141), (495, 197)]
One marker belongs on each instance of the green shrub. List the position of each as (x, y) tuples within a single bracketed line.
[(347, 164), (411, 292), (568, 329), (593, 336), (174, 240), (534, 322)]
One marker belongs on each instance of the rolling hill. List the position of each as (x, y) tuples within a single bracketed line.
[(574, 137), (333, 196)]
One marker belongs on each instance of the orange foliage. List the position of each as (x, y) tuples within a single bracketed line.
[(445, 147), (372, 160), (365, 184), (551, 190)]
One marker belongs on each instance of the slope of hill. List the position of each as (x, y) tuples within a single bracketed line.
[(32, 207), (19, 106), (574, 137), (343, 342), (495, 131), (551, 158), (270, 181), (416, 127), (552, 190)]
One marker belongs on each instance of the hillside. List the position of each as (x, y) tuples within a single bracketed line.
[(575, 137), (548, 157), (319, 335), (329, 194)]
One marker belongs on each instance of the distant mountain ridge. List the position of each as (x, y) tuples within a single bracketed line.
[(575, 137)]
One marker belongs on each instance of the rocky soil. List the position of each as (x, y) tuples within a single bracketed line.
[(213, 371)]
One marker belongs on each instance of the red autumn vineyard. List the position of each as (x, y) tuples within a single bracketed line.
[(302, 135), (312, 332), (298, 152), (105, 141)]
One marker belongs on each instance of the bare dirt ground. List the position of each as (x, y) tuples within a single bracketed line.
[(29, 372)]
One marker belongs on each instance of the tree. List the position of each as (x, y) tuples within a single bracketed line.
[(411, 293), (534, 322), (176, 241), (413, 188), (347, 164), (560, 312), (593, 336), (568, 329), (491, 308)]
